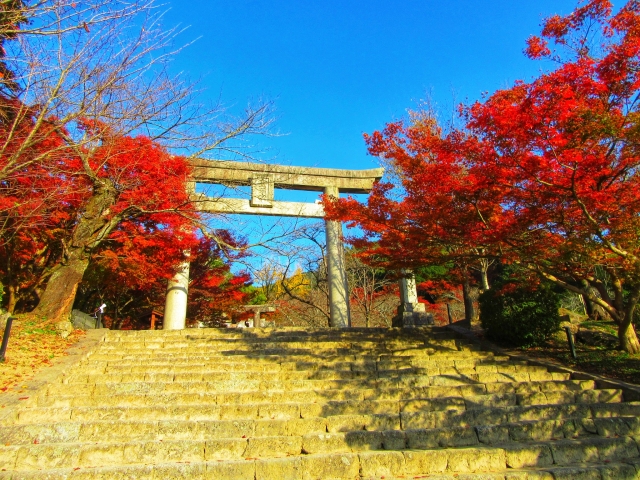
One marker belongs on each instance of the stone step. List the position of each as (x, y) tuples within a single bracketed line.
[(362, 366), (287, 332), (211, 383), (273, 336), (328, 403), (274, 396), (150, 356), (358, 342), (204, 374), (299, 354), (358, 363), (266, 345), (172, 423), (317, 408), (193, 459), (296, 342)]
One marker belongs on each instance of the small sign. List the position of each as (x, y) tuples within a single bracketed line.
[(262, 190)]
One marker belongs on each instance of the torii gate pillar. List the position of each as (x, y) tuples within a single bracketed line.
[(336, 271), (175, 306)]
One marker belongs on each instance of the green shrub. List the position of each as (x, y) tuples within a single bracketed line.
[(518, 315)]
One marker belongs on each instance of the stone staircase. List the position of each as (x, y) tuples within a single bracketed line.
[(322, 404)]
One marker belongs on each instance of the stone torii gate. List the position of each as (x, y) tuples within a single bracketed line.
[(263, 179)]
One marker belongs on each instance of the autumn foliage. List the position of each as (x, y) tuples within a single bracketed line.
[(117, 211), (544, 173), (92, 197)]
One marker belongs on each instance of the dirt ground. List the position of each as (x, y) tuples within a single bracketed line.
[(600, 360)]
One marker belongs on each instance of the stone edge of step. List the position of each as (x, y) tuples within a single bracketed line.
[(631, 391), (12, 402)]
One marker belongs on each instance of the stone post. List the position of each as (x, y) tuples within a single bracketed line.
[(258, 322), (411, 313), (408, 291), (336, 271), (175, 307)]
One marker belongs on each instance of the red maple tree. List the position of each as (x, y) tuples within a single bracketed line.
[(544, 173), (215, 293), (125, 190), (129, 273)]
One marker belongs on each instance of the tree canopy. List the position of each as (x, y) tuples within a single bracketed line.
[(544, 173), (90, 124)]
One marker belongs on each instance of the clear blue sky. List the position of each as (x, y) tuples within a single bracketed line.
[(337, 69)]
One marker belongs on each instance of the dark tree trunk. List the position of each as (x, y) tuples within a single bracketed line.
[(470, 294), (593, 310), (93, 226), (449, 314), (58, 297)]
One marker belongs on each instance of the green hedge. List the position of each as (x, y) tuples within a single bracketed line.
[(515, 314)]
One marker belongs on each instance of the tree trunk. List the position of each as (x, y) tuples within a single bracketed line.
[(484, 278), (470, 294), (628, 338), (626, 333), (593, 310), (57, 300), (93, 226), (13, 299)]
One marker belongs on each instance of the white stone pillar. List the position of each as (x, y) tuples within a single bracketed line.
[(175, 307), (336, 271)]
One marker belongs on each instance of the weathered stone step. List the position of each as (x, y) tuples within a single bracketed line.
[(625, 470), (353, 404), (206, 336), (567, 457), (160, 388), (204, 375), (264, 469), (197, 385), (286, 332), (353, 333), (274, 396), (313, 358), (205, 383), (359, 343), (212, 342), (169, 374), (514, 414), (432, 368), (262, 345), (489, 363), (481, 364), (297, 408), (116, 424), (308, 354)]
